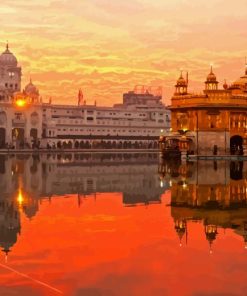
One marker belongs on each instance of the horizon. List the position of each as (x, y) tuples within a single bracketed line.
[(107, 48)]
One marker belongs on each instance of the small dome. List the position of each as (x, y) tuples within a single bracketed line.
[(211, 76), (31, 89), (225, 85), (181, 81), (7, 58)]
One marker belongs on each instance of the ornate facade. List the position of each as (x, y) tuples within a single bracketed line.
[(26, 121), (213, 122)]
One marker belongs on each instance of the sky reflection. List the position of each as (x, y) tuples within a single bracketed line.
[(87, 236)]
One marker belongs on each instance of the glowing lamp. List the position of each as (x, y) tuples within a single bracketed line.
[(20, 198), (21, 103)]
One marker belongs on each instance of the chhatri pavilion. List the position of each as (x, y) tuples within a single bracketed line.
[(214, 122)]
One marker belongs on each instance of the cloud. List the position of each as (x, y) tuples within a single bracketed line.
[(124, 42)]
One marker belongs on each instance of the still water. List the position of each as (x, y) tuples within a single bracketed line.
[(122, 224)]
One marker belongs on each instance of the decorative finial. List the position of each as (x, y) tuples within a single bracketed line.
[(181, 73), (31, 80), (225, 86), (7, 45), (211, 68), (245, 66)]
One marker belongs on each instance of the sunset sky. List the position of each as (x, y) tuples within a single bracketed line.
[(106, 47)]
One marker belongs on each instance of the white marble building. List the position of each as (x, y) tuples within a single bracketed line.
[(26, 121)]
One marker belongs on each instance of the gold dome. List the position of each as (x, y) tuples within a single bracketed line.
[(211, 76), (242, 81), (181, 81)]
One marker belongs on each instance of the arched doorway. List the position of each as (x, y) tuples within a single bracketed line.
[(2, 137), (34, 137), (81, 145), (69, 145), (18, 137), (236, 145)]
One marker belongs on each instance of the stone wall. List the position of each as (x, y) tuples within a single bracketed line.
[(207, 140)]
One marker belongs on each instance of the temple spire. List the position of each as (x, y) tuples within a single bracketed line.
[(7, 47), (181, 73)]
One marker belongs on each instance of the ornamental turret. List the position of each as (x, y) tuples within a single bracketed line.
[(181, 86), (32, 92), (211, 83)]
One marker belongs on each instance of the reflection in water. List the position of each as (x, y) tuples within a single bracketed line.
[(122, 223), (214, 193), (26, 180)]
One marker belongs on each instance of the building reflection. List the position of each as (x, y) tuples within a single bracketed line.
[(26, 180), (10, 225), (211, 192)]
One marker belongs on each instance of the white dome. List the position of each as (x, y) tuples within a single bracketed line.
[(7, 58), (31, 89)]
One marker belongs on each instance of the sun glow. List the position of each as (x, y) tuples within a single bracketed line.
[(21, 103)]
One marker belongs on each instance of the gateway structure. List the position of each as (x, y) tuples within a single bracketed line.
[(26, 121)]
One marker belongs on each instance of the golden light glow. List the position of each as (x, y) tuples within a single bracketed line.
[(21, 103), (20, 198)]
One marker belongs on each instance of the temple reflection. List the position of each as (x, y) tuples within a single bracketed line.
[(26, 180), (211, 192)]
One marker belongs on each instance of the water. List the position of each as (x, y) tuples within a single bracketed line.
[(121, 224)]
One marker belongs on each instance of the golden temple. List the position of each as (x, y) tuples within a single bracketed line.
[(213, 122)]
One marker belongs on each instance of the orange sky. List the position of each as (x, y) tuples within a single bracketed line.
[(106, 47)]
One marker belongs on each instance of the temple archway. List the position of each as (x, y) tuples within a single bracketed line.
[(18, 136), (236, 145), (34, 133), (69, 145)]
